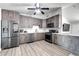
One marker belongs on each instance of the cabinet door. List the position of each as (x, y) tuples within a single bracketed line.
[(42, 36), (39, 36), (5, 14), (26, 38), (14, 41), (31, 37), (22, 38), (56, 39), (53, 40), (11, 15), (44, 23), (72, 46), (60, 40)]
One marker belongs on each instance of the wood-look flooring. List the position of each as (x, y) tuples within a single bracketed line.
[(39, 48)]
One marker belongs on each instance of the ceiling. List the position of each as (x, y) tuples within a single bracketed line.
[(22, 8), (71, 13)]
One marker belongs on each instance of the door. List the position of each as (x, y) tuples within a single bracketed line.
[(5, 28), (4, 42), (5, 34)]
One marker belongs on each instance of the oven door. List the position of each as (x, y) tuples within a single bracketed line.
[(48, 37)]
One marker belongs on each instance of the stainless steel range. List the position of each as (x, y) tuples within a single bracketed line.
[(48, 35)]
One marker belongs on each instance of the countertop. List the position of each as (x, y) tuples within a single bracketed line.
[(31, 32), (69, 34)]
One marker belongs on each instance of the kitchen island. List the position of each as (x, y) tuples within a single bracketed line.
[(68, 41)]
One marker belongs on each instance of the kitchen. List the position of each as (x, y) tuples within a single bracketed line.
[(27, 29)]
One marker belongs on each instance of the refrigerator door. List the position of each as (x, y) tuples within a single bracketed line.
[(4, 28), (5, 42), (5, 34), (9, 38)]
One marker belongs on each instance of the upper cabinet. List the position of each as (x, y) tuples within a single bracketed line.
[(5, 14), (53, 22), (10, 15), (29, 22), (44, 23)]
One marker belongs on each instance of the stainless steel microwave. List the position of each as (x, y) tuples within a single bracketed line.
[(50, 25)]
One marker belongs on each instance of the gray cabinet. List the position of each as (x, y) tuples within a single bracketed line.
[(23, 38), (31, 37), (28, 22), (10, 15), (39, 36), (70, 43), (60, 40), (74, 45), (55, 38), (5, 14), (14, 41), (54, 19), (44, 23)]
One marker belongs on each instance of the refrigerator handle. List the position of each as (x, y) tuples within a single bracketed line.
[(7, 29), (3, 30)]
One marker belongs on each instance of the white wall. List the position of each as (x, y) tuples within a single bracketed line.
[(75, 28), (0, 29), (70, 15), (64, 20)]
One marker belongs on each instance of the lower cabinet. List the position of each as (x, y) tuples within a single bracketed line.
[(14, 41), (59, 40), (55, 38), (70, 43), (31, 37), (23, 38), (39, 36)]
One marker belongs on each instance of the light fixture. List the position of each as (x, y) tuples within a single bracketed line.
[(37, 11), (37, 8), (37, 5)]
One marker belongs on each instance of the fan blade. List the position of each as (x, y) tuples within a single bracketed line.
[(42, 12), (34, 13), (45, 8), (31, 8)]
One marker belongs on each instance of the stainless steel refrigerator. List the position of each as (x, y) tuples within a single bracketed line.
[(9, 37)]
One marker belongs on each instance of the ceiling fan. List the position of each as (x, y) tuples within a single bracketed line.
[(38, 9)]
